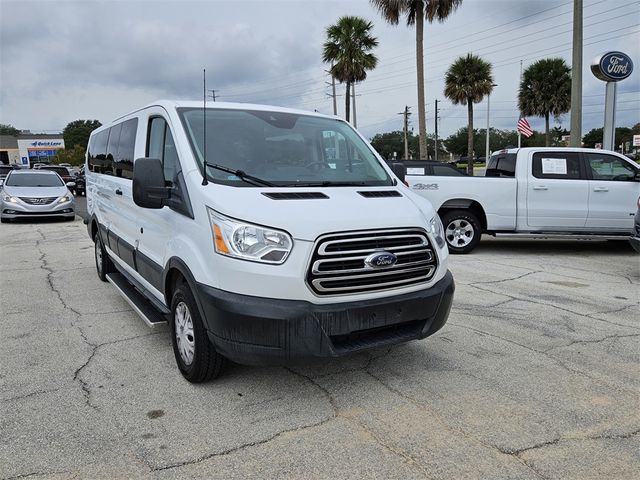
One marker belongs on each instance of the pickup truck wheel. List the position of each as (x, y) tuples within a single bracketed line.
[(103, 262), (197, 358), (461, 230)]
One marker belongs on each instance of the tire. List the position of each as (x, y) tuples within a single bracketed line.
[(197, 358), (104, 265), (462, 230)]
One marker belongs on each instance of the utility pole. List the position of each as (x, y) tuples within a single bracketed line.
[(406, 114), (333, 91), (576, 77), (436, 142), (213, 94)]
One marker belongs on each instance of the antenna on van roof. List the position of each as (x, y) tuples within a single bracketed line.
[(204, 123)]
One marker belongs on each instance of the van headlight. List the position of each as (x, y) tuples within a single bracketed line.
[(238, 239), (64, 199), (437, 230)]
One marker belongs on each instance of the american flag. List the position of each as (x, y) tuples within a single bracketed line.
[(524, 128)]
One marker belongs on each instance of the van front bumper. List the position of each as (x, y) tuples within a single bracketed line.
[(257, 331)]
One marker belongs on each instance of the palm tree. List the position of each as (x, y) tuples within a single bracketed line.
[(466, 82), (545, 89), (416, 11), (348, 48)]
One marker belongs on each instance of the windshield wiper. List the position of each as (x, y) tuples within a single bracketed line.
[(242, 175)]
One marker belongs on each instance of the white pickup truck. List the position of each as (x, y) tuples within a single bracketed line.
[(536, 192)]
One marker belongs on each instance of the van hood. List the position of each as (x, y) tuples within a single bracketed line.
[(337, 208)]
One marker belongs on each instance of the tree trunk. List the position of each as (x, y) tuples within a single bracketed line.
[(422, 121), (547, 143), (470, 138), (347, 99)]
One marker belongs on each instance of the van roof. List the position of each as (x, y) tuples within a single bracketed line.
[(173, 104)]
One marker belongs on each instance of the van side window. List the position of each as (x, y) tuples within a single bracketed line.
[(557, 165), (112, 147), (609, 167), (160, 145), (124, 159), (98, 162)]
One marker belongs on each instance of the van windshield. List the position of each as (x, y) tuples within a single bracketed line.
[(281, 148)]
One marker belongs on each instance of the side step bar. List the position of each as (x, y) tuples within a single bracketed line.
[(151, 316), (562, 236)]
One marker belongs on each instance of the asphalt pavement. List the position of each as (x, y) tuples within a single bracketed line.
[(535, 375)]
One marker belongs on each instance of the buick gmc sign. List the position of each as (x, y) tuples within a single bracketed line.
[(612, 66)]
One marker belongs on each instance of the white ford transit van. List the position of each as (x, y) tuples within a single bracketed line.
[(261, 235)]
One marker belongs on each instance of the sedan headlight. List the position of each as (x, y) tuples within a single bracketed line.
[(437, 230), (238, 239), (9, 198), (64, 199)]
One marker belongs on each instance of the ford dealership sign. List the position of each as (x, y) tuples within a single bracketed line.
[(612, 66)]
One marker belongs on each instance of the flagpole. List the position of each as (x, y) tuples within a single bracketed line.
[(519, 134)]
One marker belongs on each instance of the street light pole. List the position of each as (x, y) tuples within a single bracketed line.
[(486, 154)]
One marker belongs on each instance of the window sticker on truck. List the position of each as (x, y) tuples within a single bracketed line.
[(554, 166)]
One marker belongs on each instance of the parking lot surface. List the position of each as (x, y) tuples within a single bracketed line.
[(536, 375)]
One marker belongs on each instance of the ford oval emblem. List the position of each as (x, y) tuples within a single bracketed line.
[(612, 66), (381, 260)]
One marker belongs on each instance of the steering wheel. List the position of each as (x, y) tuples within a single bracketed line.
[(317, 166)]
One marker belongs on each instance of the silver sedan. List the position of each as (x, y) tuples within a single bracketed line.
[(33, 194)]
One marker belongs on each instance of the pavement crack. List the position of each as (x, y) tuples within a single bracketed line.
[(599, 340), (506, 279), (32, 394), (451, 429)]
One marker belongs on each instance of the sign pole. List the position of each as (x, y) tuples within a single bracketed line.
[(609, 131)]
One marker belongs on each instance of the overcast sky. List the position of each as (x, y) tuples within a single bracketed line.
[(67, 60)]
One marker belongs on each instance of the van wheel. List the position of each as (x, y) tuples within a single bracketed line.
[(103, 262), (461, 230), (197, 358)]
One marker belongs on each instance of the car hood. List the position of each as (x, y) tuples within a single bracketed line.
[(35, 191), (307, 218)]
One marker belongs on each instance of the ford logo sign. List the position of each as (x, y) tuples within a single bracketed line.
[(381, 260), (612, 66)]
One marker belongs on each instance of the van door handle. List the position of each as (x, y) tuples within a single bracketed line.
[(540, 187), (600, 189), (118, 191)]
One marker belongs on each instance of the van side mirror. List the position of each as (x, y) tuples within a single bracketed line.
[(149, 190), (400, 170)]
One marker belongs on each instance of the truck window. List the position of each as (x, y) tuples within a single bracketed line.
[(502, 165), (609, 167), (557, 165), (112, 147)]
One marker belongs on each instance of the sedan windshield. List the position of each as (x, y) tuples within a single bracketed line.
[(33, 180), (281, 149)]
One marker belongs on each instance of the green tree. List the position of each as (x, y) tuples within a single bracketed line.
[(545, 89), (387, 143), (348, 46), (466, 82), (74, 156), (623, 135), (416, 11), (78, 131), (6, 129)]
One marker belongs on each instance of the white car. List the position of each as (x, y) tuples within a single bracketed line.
[(268, 236)]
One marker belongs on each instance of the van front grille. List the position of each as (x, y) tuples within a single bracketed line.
[(38, 200), (345, 263)]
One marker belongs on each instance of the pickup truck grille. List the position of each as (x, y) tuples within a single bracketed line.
[(38, 200), (338, 264)]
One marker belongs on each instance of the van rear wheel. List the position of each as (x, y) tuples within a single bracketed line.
[(197, 358), (103, 262), (462, 230)]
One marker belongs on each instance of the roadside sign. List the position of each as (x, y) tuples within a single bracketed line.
[(636, 140)]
